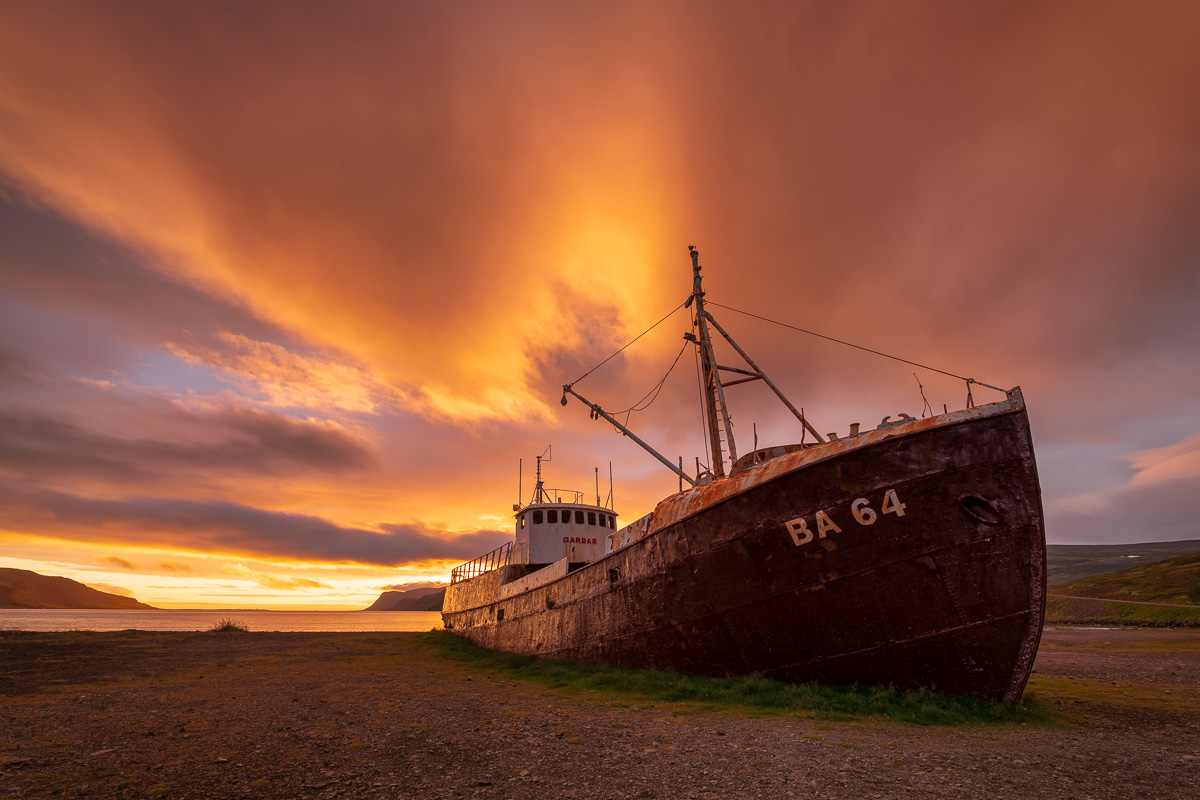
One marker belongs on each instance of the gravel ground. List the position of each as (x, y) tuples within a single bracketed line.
[(390, 716)]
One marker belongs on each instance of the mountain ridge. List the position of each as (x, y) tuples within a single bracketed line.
[(426, 599), (23, 588), (1070, 562)]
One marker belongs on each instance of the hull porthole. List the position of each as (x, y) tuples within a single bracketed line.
[(981, 509)]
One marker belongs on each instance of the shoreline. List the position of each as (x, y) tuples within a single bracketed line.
[(166, 620)]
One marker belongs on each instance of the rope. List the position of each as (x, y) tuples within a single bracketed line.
[(921, 389), (640, 335), (855, 346), (654, 391)]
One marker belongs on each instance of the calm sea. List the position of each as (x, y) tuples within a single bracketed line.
[(54, 619)]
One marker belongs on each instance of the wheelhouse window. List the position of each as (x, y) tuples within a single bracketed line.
[(610, 521), (591, 518), (578, 517), (521, 520), (537, 517), (552, 516)]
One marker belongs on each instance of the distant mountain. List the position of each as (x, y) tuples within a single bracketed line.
[(427, 599), (1070, 562), (21, 588)]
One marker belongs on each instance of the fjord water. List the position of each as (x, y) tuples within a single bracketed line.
[(55, 619)]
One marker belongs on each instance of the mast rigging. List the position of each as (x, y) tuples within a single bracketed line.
[(716, 410)]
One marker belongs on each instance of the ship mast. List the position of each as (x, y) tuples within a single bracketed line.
[(714, 394), (715, 408)]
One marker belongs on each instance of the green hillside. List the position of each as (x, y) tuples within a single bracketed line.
[(1122, 598), (1070, 562), (1173, 580)]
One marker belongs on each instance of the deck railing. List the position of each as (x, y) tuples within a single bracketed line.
[(485, 563)]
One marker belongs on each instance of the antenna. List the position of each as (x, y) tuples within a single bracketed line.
[(547, 454), (612, 502), (520, 484), (597, 486)]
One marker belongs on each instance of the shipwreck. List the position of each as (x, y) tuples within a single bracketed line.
[(910, 555)]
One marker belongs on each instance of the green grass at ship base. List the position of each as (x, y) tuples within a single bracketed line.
[(753, 694)]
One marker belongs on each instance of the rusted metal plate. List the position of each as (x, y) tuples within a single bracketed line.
[(911, 556)]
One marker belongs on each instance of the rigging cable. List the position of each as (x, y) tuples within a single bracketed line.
[(631, 341), (657, 388), (925, 410), (969, 381)]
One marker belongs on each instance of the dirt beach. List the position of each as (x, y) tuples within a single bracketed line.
[(391, 716)]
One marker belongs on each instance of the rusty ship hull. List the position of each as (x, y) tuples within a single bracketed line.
[(910, 556)]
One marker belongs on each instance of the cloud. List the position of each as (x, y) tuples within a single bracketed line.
[(108, 587), (94, 298), (224, 527), (289, 584), (363, 260), (12, 366), (1156, 512), (117, 562), (176, 568), (404, 587), (180, 440), (1153, 505), (1179, 461), (288, 379)]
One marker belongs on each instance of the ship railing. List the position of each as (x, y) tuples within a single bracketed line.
[(485, 563), (575, 495)]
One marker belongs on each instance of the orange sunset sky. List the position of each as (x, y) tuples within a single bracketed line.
[(288, 288)]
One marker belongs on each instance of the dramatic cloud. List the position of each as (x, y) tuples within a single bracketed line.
[(174, 567), (404, 587), (245, 441), (1180, 461), (224, 527), (275, 277), (108, 587), (1156, 500), (289, 584)]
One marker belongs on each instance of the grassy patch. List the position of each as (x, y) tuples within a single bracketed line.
[(229, 626), (1088, 693), (1163, 641), (690, 693), (1068, 611)]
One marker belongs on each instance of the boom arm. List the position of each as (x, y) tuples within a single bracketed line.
[(599, 412)]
